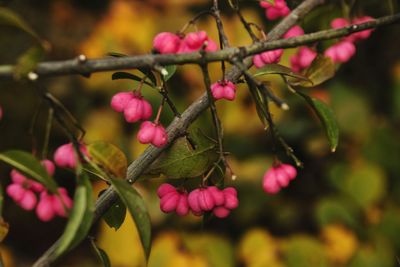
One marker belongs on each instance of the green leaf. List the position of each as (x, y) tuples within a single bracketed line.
[(101, 254), (136, 207), (327, 118), (109, 157), (10, 18), (321, 70), (116, 54), (30, 166), (281, 70), (80, 218), (115, 216), (171, 69), (149, 74), (126, 75), (28, 61), (181, 160)]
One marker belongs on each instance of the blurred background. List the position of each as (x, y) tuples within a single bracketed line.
[(343, 209)]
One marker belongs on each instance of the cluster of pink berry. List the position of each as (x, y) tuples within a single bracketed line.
[(274, 56), (136, 108), (223, 89), (170, 43), (198, 201), (278, 177), (343, 50), (276, 9), (22, 190)]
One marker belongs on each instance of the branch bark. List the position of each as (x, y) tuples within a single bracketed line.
[(75, 66), (179, 126)]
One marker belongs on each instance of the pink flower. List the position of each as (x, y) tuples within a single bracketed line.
[(65, 156), (120, 100), (137, 109), (150, 132), (341, 52), (294, 32), (223, 89), (267, 57), (303, 58), (276, 10), (278, 177), (194, 41), (167, 43)]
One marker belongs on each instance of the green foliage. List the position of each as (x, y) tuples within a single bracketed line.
[(137, 209), (327, 118), (115, 215), (281, 70), (109, 157), (80, 217), (303, 251), (30, 166), (321, 70), (101, 254), (181, 160)]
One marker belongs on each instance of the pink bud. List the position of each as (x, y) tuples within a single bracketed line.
[(217, 91), (221, 212), (44, 209), (15, 191), (230, 190), (206, 202), (217, 195), (165, 189), (182, 208), (270, 184), (160, 136), (267, 57), (194, 202), (195, 40), (166, 43), (223, 89), (65, 156), (294, 32), (146, 132), (28, 200), (169, 202), (281, 177), (120, 100), (276, 10)]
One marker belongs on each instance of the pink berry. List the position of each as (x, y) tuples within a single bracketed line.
[(150, 132), (166, 43), (341, 52), (165, 189), (278, 177), (231, 200), (206, 201), (339, 23), (362, 34), (276, 10), (120, 100), (28, 200), (65, 156), (15, 191), (221, 212), (169, 202), (223, 89), (17, 177), (294, 32), (217, 195), (289, 170), (267, 57), (303, 59), (182, 208), (49, 166), (270, 184), (230, 190), (195, 41), (62, 203), (44, 209), (194, 202), (137, 109)]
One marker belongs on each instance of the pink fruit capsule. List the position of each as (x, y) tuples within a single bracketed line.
[(182, 208), (28, 200), (120, 100), (165, 189), (194, 202), (44, 209), (166, 43), (217, 195), (221, 212), (169, 202), (231, 201)]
